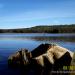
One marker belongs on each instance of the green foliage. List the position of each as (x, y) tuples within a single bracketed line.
[(43, 29)]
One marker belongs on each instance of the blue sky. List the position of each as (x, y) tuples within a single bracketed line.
[(28, 13)]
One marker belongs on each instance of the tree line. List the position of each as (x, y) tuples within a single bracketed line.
[(43, 29)]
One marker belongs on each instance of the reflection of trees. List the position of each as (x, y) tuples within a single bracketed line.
[(71, 39), (45, 38)]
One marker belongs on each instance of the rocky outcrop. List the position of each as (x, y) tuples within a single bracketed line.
[(19, 59), (42, 60)]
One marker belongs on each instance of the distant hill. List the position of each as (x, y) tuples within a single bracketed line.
[(43, 29)]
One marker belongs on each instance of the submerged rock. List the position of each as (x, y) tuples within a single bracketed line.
[(42, 60)]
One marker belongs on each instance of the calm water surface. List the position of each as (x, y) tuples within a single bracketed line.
[(10, 43)]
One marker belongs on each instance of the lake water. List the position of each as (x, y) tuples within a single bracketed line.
[(10, 43)]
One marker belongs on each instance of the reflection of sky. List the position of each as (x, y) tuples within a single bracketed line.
[(39, 37), (11, 44), (31, 41), (35, 35)]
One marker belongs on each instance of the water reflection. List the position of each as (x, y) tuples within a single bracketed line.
[(10, 43), (40, 37)]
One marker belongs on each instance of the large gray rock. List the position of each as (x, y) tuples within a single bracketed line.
[(42, 60)]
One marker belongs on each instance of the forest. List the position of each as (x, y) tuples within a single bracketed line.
[(43, 29)]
